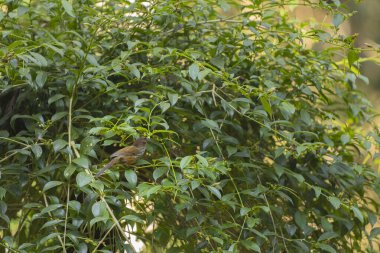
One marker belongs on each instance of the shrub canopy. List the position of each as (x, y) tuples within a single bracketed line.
[(256, 139)]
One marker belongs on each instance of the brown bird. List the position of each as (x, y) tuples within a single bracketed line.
[(128, 155)]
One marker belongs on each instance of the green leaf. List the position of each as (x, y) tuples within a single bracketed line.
[(287, 109), (194, 185), (133, 218), (358, 214), (299, 177), (83, 179), (58, 116), (185, 161), (215, 191), (244, 211), (345, 138), (98, 185), (55, 49), (37, 150), (75, 205), (82, 248), (202, 160), (173, 98), (25, 245), (50, 208), (231, 150), (218, 240), (99, 209), (153, 190), (51, 223), (82, 162), (326, 247), (193, 71), (300, 219), (51, 184), (375, 232), (335, 202), (157, 173), (48, 237), (250, 245), (327, 236), (202, 74), (92, 60), (70, 169), (305, 117), (317, 191), (267, 107), (352, 56), (218, 61), (211, 124), (164, 106), (338, 19), (87, 145), (3, 191), (98, 219), (41, 78), (39, 59), (59, 144), (134, 70), (68, 8), (131, 177)]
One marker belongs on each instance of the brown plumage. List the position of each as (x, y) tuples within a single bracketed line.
[(128, 155)]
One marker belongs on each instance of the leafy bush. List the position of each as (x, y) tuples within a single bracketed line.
[(256, 140)]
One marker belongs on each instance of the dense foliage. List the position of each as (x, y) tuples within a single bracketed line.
[(256, 138)]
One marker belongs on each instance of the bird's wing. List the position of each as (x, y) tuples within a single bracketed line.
[(127, 151)]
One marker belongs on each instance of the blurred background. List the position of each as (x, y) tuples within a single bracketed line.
[(365, 22)]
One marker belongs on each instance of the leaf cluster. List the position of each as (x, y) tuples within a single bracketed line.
[(256, 142)]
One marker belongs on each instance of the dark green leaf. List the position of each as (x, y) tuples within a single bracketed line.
[(41, 78), (99, 209), (133, 218), (194, 71), (358, 214), (215, 191), (173, 98), (335, 202), (250, 245), (51, 223), (326, 247), (327, 236), (58, 116), (37, 150), (51, 184), (70, 169), (157, 173), (300, 219), (267, 107), (185, 161), (131, 177), (59, 144), (211, 124), (82, 162), (83, 179)]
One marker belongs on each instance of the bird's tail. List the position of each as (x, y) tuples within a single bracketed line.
[(112, 162)]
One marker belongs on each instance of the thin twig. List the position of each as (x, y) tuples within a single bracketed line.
[(66, 214), (270, 213), (104, 237), (117, 223), (55, 227)]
